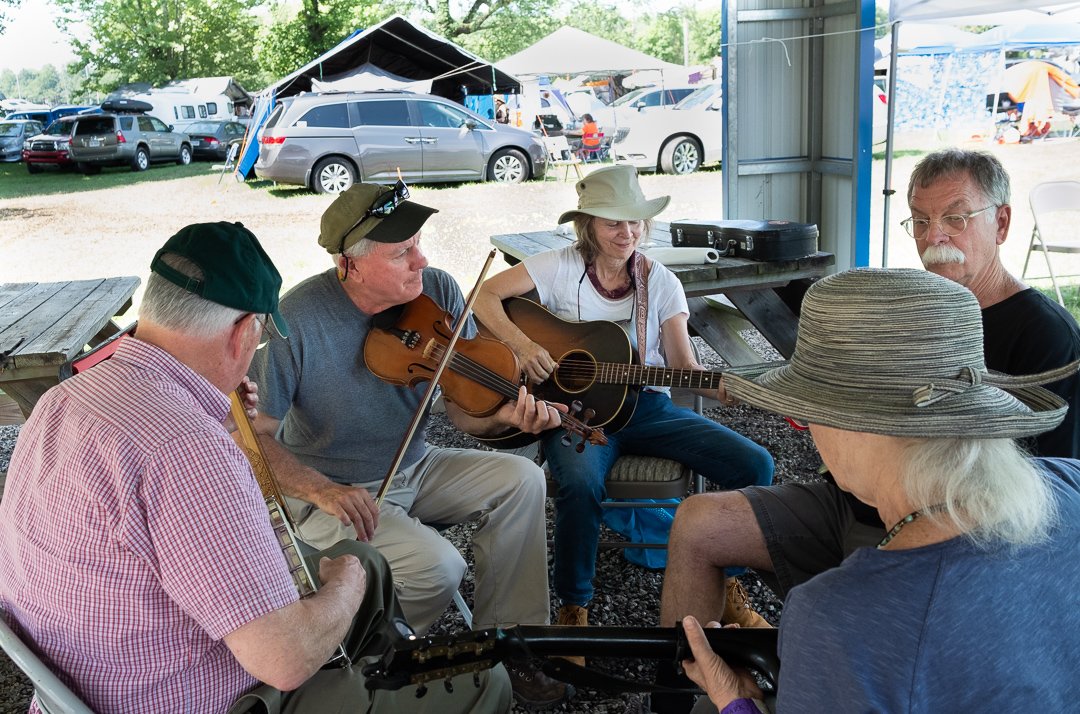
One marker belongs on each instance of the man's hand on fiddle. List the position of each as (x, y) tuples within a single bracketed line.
[(249, 395), (723, 684), (531, 415), (350, 505)]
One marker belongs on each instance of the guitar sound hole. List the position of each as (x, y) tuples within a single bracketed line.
[(576, 372)]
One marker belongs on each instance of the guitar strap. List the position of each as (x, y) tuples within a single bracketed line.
[(641, 300)]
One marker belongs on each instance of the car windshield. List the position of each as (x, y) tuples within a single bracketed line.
[(9, 129), (627, 98), (59, 128), (701, 96), (202, 127)]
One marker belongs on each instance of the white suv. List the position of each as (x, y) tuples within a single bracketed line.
[(626, 109), (677, 140)]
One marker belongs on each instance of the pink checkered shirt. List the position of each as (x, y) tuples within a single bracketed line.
[(133, 537)]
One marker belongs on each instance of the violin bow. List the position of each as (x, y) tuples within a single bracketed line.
[(434, 383)]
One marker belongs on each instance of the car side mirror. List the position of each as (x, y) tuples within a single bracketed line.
[(168, 127), (469, 124), (639, 105)]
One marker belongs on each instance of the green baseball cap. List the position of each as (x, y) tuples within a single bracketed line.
[(237, 272), (349, 218)]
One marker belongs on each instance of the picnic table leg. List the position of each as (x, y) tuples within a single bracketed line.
[(770, 315)]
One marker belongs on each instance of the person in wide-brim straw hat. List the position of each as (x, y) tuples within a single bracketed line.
[(888, 372), (603, 277)]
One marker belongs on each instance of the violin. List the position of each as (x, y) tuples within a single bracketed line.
[(405, 348)]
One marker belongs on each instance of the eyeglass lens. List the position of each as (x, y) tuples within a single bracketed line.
[(950, 225)]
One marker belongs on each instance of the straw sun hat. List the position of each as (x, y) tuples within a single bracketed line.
[(898, 352), (613, 193)]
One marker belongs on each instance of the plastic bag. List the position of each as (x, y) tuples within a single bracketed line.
[(643, 525)]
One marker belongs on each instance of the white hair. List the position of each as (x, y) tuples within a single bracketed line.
[(166, 304), (990, 488)]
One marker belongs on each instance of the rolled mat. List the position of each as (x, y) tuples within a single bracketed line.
[(683, 256)]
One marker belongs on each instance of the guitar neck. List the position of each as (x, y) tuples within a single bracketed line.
[(637, 375)]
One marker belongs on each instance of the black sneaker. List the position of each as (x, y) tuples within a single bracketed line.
[(533, 689)]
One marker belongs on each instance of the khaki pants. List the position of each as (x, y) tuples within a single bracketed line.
[(342, 690), (502, 493)]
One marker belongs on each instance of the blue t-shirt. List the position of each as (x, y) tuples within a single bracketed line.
[(942, 628), (337, 417)]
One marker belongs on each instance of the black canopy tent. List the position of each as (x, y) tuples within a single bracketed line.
[(402, 48)]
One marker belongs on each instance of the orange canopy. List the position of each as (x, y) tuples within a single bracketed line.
[(1041, 87)]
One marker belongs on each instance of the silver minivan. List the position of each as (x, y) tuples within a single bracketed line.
[(329, 141)]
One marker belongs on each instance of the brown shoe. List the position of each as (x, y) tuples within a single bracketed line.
[(533, 689), (737, 608), (573, 616)]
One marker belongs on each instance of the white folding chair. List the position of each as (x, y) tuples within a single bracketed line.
[(53, 695), (559, 154), (1047, 198)]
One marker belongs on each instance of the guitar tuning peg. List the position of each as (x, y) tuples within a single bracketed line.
[(565, 440), (449, 686), (580, 446), (421, 690), (588, 415), (575, 406)]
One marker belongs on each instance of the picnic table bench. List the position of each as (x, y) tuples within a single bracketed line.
[(43, 325), (750, 286)]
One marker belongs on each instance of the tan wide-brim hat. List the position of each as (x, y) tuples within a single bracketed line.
[(613, 193), (898, 352)]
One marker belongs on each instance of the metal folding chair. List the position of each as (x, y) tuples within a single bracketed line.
[(53, 696), (1045, 199)]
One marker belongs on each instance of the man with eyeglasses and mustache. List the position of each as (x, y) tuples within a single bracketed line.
[(960, 216), (333, 429)]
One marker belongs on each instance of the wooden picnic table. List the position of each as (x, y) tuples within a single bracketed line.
[(750, 286), (43, 325)]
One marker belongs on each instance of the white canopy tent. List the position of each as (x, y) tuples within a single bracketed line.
[(369, 77), (982, 12), (569, 50)]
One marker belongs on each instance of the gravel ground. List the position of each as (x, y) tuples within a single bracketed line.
[(626, 595)]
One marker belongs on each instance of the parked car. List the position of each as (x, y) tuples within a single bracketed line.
[(13, 132), (677, 140), (212, 139), (135, 139), (625, 110), (48, 116), (329, 141), (50, 148)]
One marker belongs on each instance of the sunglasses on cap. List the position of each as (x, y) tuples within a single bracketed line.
[(384, 206)]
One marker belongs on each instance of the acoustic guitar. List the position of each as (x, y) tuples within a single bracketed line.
[(597, 368)]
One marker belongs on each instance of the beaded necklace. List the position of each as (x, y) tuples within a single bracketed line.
[(908, 519)]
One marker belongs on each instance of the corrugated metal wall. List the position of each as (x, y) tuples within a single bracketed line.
[(798, 117)]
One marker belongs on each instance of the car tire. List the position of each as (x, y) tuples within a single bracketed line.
[(141, 160), (681, 155), (332, 175), (185, 155), (508, 166), (33, 168), (90, 169)]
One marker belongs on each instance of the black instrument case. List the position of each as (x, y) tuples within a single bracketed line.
[(754, 240)]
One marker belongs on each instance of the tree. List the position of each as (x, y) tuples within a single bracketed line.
[(4, 6), (157, 41)]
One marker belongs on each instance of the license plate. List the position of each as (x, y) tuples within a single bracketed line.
[(196, 143), (93, 142)]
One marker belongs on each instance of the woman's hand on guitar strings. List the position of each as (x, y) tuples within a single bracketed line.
[(722, 683), (351, 505), (531, 415), (534, 360), (723, 397)]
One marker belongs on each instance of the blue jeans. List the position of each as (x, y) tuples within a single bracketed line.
[(658, 428)]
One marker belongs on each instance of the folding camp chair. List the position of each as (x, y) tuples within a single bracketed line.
[(560, 154), (53, 695), (1047, 198)]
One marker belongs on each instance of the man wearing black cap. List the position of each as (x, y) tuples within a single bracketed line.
[(136, 551), (340, 427)]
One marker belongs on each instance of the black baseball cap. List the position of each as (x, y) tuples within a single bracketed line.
[(237, 272)]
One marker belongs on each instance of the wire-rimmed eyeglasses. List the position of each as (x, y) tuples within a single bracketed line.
[(952, 225), (384, 205)]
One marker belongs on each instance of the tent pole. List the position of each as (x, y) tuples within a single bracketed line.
[(889, 125)]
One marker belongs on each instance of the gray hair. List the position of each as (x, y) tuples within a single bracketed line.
[(166, 304), (983, 168), (357, 250), (992, 491), (586, 238)]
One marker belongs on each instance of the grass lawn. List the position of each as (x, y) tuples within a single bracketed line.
[(16, 181)]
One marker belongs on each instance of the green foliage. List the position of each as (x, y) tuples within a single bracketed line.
[(158, 41), (1069, 293), (47, 85), (4, 18), (881, 22)]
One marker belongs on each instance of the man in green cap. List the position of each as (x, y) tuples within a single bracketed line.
[(338, 428), (136, 551)]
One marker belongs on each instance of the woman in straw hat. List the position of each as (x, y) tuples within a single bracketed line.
[(604, 277), (888, 371)]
